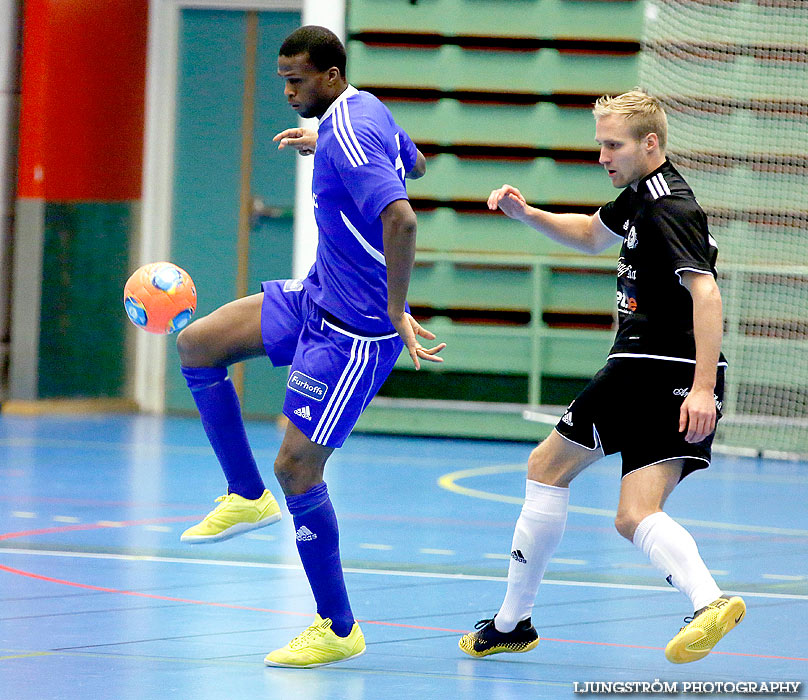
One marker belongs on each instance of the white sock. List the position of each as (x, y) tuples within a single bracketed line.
[(536, 536), (673, 551)]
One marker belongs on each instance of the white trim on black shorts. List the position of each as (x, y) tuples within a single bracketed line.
[(598, 445), (666, 459)]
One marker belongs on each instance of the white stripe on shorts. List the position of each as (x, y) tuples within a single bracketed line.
[(349, 392), (342, 391)]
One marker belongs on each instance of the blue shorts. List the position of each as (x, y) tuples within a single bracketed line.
[(335, 371)]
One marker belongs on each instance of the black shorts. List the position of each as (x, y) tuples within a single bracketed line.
[(632, 406)]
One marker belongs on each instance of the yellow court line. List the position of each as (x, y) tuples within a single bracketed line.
[(26, 655), (449, 482)]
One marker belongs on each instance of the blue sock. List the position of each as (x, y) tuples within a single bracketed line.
[(219, 408), (318, 544)]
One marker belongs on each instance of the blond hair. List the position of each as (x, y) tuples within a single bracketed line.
[(643, 112)]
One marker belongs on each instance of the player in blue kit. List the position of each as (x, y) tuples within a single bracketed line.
[(340, 329)]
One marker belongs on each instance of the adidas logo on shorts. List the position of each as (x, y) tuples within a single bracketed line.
[(303, 534), (303, 412), (567, 418)]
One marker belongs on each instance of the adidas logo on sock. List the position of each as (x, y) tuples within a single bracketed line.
[(303, 412), (303, 534), (517, 555)]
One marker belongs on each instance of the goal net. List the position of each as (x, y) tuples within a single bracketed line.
[(733, 76)]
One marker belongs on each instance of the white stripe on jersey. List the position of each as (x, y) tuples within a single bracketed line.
[(652, 187), (657, 186), (346, 117), (337, 133), (680, 270), (713, 243), (722, 363), (369, 249), (339, 113)]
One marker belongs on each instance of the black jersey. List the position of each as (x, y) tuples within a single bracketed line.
[(664, 233)]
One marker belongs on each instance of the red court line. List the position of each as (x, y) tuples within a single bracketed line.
[(95, 526), (232, 606)]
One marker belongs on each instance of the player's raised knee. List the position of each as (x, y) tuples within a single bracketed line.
[(626, 523), (191, 345)]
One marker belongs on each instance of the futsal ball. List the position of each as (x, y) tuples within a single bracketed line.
[(160, 298)]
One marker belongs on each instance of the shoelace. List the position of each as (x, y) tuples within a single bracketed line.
[(221, 499), (692, 617), (482, 623), (309, 634)]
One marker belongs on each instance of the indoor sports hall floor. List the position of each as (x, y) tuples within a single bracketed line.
[(100, 601)]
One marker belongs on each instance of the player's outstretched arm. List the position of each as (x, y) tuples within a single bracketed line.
[(398, 220), (579, 231), (304, 141), (697, 415)]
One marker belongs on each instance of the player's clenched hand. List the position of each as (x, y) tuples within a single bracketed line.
[(304, 141), (408, 328), (509, 200), (697, 415)]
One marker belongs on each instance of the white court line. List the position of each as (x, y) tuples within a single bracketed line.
[(442, 552), (373, 572)]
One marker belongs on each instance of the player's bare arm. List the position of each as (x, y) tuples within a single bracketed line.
[(579, 231), (698, 412), (400, 225), (419, 169), (304, 141)]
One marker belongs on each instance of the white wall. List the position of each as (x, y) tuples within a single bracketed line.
[(331, 14), (9, 110)]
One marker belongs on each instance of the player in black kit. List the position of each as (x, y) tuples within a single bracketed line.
[(659, 396)]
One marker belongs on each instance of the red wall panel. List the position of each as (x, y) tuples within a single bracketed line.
[(83, 99)]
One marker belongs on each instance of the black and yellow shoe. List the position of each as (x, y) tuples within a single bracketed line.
[(705, 629), (489, 640)]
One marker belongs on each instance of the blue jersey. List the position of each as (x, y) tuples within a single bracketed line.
[(359, 166)]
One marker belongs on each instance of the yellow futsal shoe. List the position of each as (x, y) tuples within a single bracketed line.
[(705, 629), (233, 516), (318, 646)]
